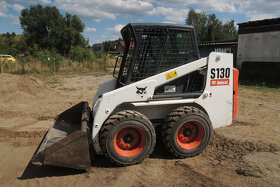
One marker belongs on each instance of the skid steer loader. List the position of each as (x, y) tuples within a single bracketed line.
[(161, 81)]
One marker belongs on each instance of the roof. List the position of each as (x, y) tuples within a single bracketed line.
[(156, 25), (265, 25), (98, 44), (260, 22), (167, 25), (224, 42)]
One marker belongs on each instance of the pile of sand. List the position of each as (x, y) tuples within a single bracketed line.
[(13, 87)]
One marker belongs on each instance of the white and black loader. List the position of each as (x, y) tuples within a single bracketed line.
[(162, 81)]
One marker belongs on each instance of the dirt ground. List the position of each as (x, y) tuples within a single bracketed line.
[(246, 153)]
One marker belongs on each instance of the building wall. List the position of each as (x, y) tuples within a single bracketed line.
[(258, 47), (205, 50), (98, 47)]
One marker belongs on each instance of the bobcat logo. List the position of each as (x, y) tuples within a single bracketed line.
[(141, 90)]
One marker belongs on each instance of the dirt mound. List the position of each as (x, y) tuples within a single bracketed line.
[(20, 85), (5, 133), (243, 123), (21, 139), (14, 87)]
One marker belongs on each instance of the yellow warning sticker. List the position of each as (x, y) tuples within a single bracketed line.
[(171, 75)]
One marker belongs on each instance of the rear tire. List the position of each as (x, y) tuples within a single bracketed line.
[(186, 132), (127, 138)]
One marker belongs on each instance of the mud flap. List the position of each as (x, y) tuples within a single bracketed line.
[(66, 144)]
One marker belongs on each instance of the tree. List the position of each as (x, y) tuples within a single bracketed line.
[(48, 29), (8, 44), (209, 28), (72, 35), (199, 21), (110, 45), (20, 43)]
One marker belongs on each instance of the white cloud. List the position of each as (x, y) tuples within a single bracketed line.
[(170, 14), (45, 1), (170, 10), (168, 22), (260, 9), (97, 10), (3, 8), (178, 3), (88, 29), (115, 29), (15, 19), (17, 7), (254, 17), (252, 9), (214, 5), (5, 14), (31, 1)]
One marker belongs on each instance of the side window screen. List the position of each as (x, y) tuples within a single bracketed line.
[(127, 58), (160, 50)]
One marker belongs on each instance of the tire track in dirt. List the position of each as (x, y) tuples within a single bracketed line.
[(23, 124), (21, 138), (244, 123), (194, 178), (229, 153)]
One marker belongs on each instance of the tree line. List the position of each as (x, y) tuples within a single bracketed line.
[(46, 29), (209, 28)]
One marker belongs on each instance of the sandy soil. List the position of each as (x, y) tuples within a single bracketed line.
[(246, 153)]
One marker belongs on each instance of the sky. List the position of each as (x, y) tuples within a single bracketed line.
[(103, 19)]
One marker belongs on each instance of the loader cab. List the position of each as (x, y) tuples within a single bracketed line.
[(154, 48)]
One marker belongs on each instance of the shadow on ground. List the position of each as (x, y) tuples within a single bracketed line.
[(32, 171)]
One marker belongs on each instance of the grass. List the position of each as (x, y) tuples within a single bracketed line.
[(260, 85), (260, 88), (67, 89), (66, 67), (53, 83)]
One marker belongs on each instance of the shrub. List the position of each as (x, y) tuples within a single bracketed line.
[(81, 54), (51, 59)]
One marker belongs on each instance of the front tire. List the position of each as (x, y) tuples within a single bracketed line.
[(127, 138), (186, 132)]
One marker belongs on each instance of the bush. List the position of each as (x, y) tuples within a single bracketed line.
[(81, 54), (51, 59)]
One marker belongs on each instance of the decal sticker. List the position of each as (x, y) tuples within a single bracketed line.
[(171, 75), (141, 90), (220, 73), (219, 76), (169, 89), (219, 82)]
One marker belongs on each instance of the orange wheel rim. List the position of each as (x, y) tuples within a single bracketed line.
[(190, 135), (129, 141)]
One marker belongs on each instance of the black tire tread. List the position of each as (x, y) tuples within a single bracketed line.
[(172, 118), (110, 123)]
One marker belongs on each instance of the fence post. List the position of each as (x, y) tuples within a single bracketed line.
[(23, 61), (105, 63)]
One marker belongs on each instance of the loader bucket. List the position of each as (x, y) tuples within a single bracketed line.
[(66, 144)]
